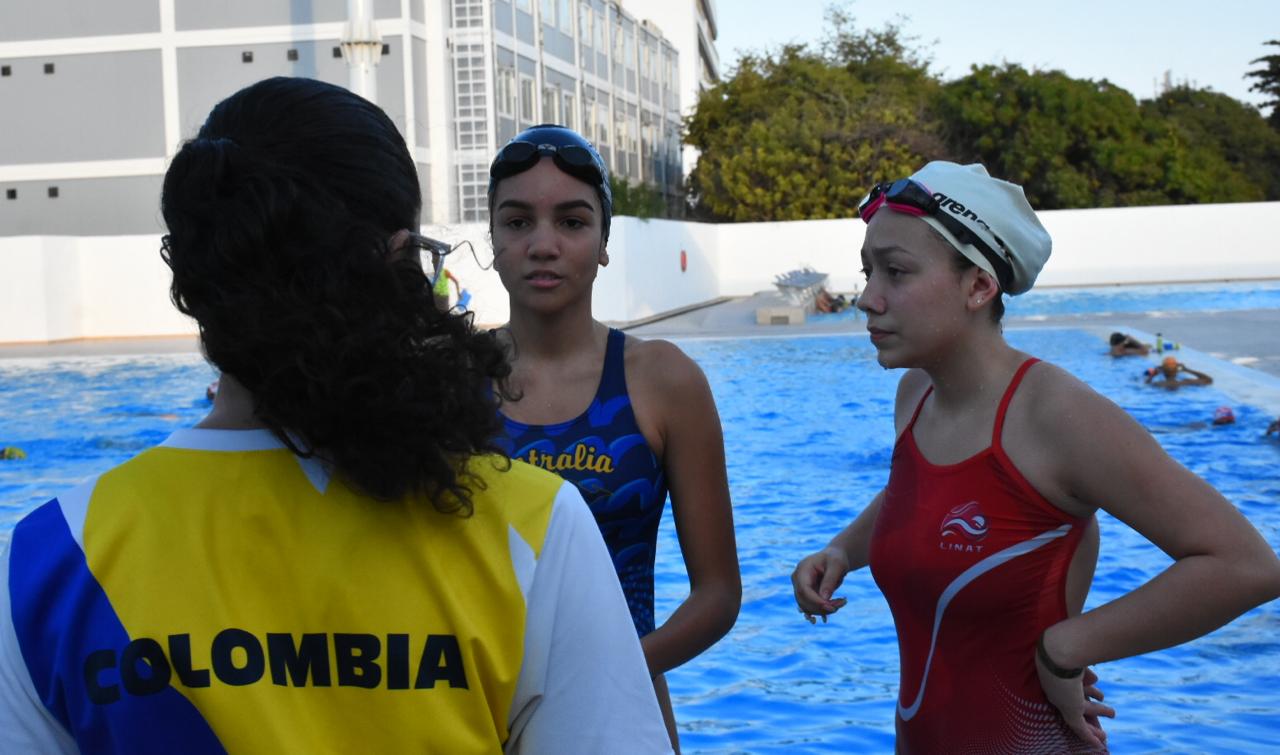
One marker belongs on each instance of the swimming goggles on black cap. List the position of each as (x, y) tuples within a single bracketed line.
[(912, 198), (571, 153)]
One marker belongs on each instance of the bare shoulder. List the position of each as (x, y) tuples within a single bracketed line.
[(658, 366), (669, 393), (1052, 399), (1073, 444)]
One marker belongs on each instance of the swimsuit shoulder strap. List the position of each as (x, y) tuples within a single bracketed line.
[(1021, 372), (919, 406), (613, 380)]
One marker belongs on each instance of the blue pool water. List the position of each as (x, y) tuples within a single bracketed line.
[(1176, 297), (808, 434), (1180, 297)]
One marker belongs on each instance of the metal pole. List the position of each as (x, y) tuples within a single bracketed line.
[(362, 49)]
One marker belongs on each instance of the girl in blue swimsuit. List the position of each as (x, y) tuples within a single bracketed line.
[(625, 420)]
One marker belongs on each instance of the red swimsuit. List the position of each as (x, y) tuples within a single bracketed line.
[(973, 562)]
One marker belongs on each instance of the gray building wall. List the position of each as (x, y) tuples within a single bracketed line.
[(107, 106), (206, 75), (557, 43), (56, 19), (524, 26), (83, 207), (227, 14)]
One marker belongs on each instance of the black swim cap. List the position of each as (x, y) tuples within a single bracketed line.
[(570, 151)]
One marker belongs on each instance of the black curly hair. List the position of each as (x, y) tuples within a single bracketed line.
[(279, 214)]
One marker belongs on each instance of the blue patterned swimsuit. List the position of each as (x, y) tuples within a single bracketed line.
[(603, 453)]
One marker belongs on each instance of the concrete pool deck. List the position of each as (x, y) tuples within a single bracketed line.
[(1239, 348)]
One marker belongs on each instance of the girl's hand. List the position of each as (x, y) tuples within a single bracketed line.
[(1079, 701), (815, 578)]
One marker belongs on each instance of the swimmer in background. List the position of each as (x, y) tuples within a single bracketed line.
[(826, 302), (1274, 427), (1125, 345), (1169, 369)]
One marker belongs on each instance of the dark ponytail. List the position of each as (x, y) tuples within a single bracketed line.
[(279, 214)]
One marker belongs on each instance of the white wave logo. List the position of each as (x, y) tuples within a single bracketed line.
[(966, 520)]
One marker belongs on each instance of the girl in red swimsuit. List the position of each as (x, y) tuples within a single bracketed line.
[(984, 540)]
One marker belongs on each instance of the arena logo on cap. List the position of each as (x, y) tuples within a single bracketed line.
[(957, 208)]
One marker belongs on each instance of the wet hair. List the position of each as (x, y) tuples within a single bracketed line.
[(1118, 338), (554, 135), (279, 214)]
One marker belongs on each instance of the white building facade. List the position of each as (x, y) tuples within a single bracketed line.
[(99, 96)]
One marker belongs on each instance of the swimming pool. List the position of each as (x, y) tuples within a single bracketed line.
[(808, 435), (1148, 299)]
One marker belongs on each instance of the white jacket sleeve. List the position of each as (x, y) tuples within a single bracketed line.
[(584, 686), (26, 726)]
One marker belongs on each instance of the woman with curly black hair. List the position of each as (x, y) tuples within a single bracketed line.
[(337, 557)]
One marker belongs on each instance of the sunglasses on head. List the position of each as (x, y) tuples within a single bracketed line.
[(517, 157), (912, 198)]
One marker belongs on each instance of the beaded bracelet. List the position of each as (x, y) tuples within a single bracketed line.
[(1053, 668)]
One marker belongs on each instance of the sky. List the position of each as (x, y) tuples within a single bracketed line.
[(1129, 42)]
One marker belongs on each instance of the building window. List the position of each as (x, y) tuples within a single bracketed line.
[(4, 71), (292, 55), (564, 16), (246, 57), (526, 98), (602, 123), (584, 24), (570, 110), (548, 12), (53, 192), (337, 52), (525, 5), (48, 68), (10, 193), (506, 91), (386, 49), (550, 106)]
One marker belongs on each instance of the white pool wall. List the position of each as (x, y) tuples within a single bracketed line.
[(56, 288)]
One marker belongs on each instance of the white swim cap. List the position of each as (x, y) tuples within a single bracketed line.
[(995, 211)]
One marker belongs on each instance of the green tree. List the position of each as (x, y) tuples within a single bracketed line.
[(1267, 81), (638, 200), (1068, 142), (1217, 149), (801, 133)]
